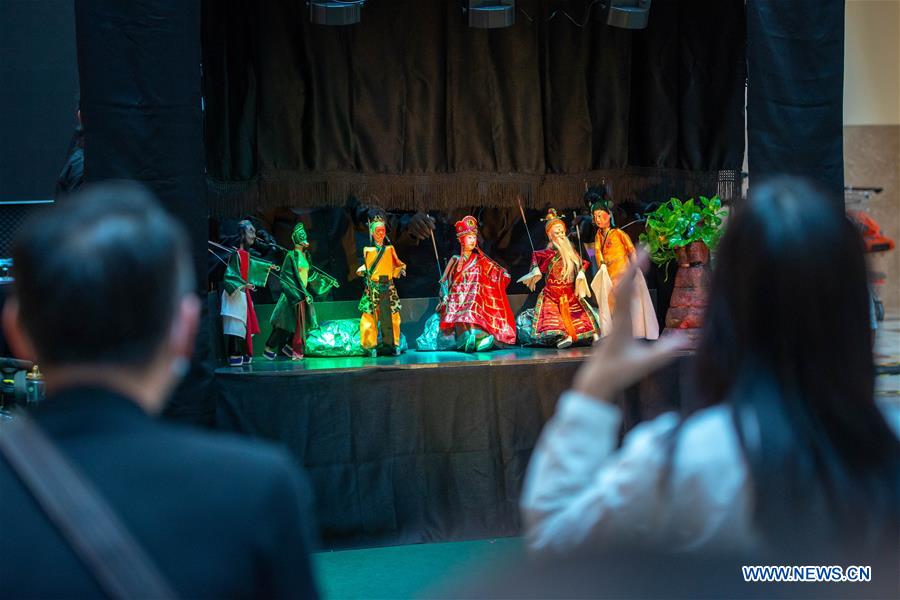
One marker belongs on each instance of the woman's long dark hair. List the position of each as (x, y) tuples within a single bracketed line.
[(787, 341)]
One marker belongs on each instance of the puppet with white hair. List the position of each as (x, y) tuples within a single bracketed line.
[(561, 315)]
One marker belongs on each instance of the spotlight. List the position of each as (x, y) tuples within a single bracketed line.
[(627, 14), (335, 12), (491, 14)]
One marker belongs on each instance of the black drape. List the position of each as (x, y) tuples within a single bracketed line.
[(411, 455), (139, 64), (38, 84), (139, 67), (417, 108), (795, 55)]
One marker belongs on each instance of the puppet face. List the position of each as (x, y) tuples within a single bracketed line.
[(468, 242), (601, 219), (299, 236), (571, 262), (379, 234), (248, 236), (556, 231)]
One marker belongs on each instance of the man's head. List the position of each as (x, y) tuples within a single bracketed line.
[(103, 284), (378, 230), (467, 233), (248, 234)]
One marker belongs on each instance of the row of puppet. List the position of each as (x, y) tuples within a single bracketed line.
[(473, 313)]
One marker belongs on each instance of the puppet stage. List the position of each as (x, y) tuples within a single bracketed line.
[(427, 446)]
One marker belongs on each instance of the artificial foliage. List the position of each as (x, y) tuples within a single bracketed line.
[(676, 224)]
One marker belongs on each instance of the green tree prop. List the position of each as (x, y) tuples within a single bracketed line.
[(676, 224)]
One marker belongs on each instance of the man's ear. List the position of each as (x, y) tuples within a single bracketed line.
[(16, 336), (184, 327)]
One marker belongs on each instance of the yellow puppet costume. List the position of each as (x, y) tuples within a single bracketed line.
[(613, 251), (381, 266)]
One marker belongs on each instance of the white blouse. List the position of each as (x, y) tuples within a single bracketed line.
[(580, 489)]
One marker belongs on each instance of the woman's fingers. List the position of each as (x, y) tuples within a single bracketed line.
[(616, 366), (620, 360), (663, 351), (624, 290)]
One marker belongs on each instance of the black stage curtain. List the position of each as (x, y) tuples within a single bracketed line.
[(408, 455), (139, 68), (795, 55), (139, 65), (416, 108)]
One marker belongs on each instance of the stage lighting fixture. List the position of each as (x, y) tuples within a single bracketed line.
[(335, 12), (491, 14), (627, 14)]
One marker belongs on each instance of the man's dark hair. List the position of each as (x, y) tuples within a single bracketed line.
[(98, 278)]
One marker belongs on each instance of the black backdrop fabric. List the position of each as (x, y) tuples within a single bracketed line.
[(38, 86), (795, 52), (423, 454), (140, 102), (139, 67), (416, 108)]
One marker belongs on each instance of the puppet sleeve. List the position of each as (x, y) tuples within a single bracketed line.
[(291, 286), (233, 280), (626, 243), (399, 265)]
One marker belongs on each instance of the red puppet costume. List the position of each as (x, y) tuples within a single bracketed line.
[(474, 303), (561, 315)]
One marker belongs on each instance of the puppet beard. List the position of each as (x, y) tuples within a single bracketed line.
[(570, 257)]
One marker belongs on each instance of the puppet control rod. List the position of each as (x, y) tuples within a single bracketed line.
[(283, 281), (331, 280)]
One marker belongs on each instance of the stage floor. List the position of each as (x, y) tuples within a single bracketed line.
[(411, 360)]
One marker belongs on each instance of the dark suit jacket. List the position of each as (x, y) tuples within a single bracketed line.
[(222, 517)]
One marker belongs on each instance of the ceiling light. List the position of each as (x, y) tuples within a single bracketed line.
[(627, 14), (335, 12), (491, 14)]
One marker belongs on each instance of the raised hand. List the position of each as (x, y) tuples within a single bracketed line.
[(420, 226), (582, 290), (531, 278), (621, 360)]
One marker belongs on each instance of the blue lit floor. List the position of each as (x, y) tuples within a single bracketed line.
[(411, 359), (412, 571)]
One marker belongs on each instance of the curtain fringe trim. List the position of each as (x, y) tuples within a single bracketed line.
[(449, 191)]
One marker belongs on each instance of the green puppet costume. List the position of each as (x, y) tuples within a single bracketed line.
[(294, 312)]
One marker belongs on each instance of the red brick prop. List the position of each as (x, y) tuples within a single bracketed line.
[(695, 253), (689, 295)]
